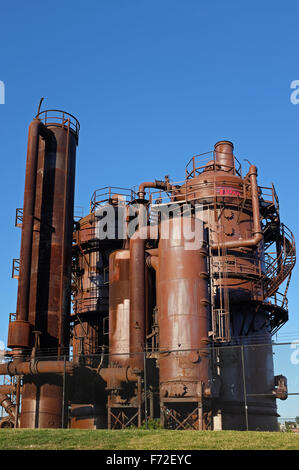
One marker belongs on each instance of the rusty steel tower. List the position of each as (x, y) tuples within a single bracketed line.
[(161, 302)]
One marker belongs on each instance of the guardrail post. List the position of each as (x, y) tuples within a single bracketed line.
[(244, 387)]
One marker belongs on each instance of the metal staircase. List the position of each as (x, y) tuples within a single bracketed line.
[(279, 268)]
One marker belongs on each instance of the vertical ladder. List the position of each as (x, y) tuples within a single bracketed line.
[(220, 313)]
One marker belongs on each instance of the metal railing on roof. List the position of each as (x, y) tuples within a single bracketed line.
[(207, 161), (59, 118), (109, 193)]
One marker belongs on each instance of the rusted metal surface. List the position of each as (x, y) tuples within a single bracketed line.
[(224, 157), (183, 312), (115, 376), (18, 333), (7, 404), (119, 307), (37, 367), (49, 305), (155, 318), (257, 231), (45, 261), (41, 403)]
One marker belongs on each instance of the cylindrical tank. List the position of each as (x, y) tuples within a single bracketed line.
[(119, 308), (50, 262), (224, 201), (50, 282), (183, 311), (246, 367), (229, 206), (224, 158), (41, 402), (96, 236), (90, 289)]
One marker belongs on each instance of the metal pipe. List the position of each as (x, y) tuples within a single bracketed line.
[(164, 185), (7, 404), (224, 157), (137, 294), (156, 184), (65, 243), (114, 376), (244, 386), (18, 333), (145, 391), (257, 231), (35, 129), (63, 392), (36, 368), (17, 407)]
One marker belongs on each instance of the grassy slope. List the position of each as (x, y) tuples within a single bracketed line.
[(64, 439)]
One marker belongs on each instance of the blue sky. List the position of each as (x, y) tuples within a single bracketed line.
[(152, 83)]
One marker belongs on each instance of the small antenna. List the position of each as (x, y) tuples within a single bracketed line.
[(39, 106)]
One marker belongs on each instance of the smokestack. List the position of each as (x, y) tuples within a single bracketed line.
[(224, 156)]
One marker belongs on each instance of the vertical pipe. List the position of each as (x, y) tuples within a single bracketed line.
[(63, 394), (27, 225), (145, 391), (137, 303), (64, 242), (224, 157), (257, 231), (18, 392), (137, 295), (244, 386), (139, 395), (109, 412)]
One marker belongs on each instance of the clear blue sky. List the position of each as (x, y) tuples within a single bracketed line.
[(152, 83)]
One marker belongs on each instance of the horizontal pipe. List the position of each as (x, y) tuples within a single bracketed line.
[(114, 376), (257, 231), (37, 367), (163, 185)]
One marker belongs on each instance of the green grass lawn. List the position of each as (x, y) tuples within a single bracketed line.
[(134, 439)]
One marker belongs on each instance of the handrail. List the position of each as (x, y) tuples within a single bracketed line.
[(200, 162), (270, 192), (280, 268), (104, 195), (60, 117)]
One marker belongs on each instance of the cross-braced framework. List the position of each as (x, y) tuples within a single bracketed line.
[(121, 418), (123, 413), (185, 415)]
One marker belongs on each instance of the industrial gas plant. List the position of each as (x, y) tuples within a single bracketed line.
[(158, 304)]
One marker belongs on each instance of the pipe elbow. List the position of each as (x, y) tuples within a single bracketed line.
[(248, 243), (257, 232), (252, 170)]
